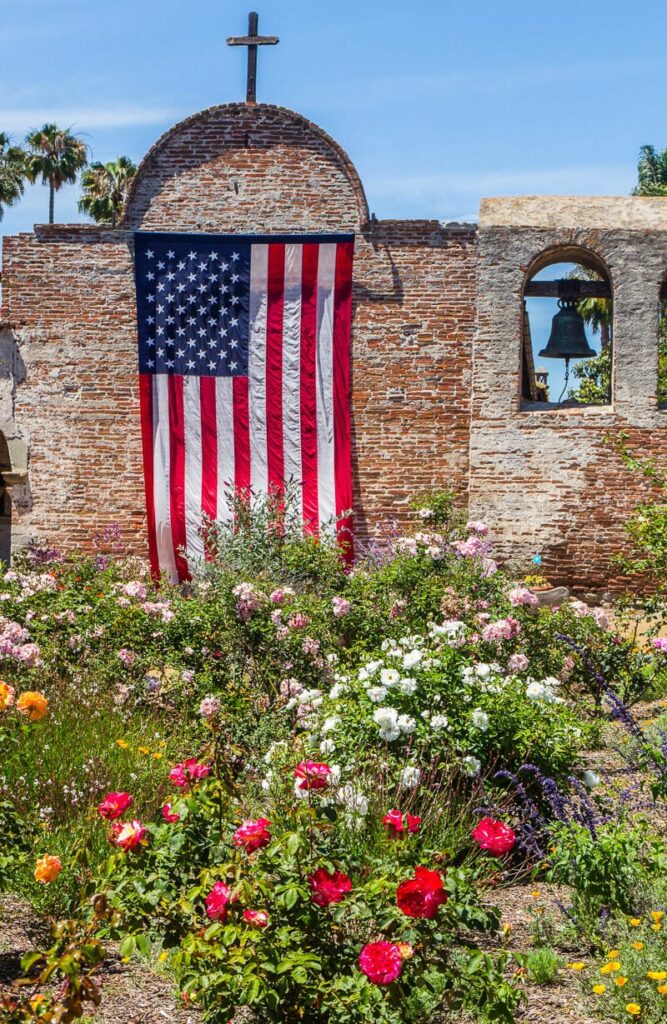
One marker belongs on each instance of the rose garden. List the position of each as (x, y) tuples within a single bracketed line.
[(295, 790)]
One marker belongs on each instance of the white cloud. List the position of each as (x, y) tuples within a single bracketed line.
[(22, 119)]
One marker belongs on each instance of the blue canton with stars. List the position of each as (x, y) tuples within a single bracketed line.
[(193, 296)]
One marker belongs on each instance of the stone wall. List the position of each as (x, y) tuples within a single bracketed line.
[(68, 310), (549, 479)]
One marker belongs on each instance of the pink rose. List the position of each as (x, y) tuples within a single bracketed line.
[(256, 918), (312, 775), (253, 835), (169, 815), (188, 771), (494, 836), (328, 887), (114, 805), (127, 835), (217, 901), (381, 962)]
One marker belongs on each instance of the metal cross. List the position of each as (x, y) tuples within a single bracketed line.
[(252, 41)]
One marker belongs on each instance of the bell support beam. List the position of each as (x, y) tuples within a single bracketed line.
[(556, 289)]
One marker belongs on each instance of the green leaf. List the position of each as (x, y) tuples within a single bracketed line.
[(128, 946)]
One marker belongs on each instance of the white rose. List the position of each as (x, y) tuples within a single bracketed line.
[(535, 691), (331, 723), (327, 747), (408, 686), (439, 722), (472, 765), (411, 658), (377, 693), (480, 719), (389, 676), (406, 724), (410, 777), (337, 690)]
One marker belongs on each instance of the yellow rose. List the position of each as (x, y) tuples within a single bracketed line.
[(6, 696), (633, 1008), (47, 869), (656, 975), (599, 989), (32, 704)]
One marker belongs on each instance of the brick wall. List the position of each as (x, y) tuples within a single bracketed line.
[(68, 310)]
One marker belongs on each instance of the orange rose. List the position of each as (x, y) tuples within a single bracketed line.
[(6, 696), (32, 704), (47, 869)]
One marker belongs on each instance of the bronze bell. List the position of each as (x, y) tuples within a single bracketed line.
[(568, 337)]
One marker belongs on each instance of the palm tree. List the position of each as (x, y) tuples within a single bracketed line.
[(12, 172), (651, 172), (105, 189), (56, 156)]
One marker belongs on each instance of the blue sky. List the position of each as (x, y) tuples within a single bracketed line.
[(437, 103)]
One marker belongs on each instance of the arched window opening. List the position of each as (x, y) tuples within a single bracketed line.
[(567, 331)]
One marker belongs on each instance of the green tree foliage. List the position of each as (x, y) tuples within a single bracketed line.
[(594, 379), (55, 155), (651, 172), (105, 188), (12, 172)]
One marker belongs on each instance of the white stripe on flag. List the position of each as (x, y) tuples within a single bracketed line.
[(259, 266), (193, 467), (161, 476), (292, 364), (324, 372), (224, 425)]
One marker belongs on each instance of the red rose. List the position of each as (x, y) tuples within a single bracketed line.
[(256, 918), (381, 962), (252, 835), (114, 804), (494, 836), (396, 822), (217, 901), (329, 888), (422, 895), (169, 815), (313, 775)]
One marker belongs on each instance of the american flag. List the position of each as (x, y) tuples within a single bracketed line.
[(244, 366)]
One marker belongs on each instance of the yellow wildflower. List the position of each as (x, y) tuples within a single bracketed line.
[(634, 922), (662, 989), (143, 750), (157, 756), (620, 981), (599, 989), (633, 1008), (163, 955), (613, 954), (123, 744), (536, 894), (656, 975), (656, 927), (613, 965), (657, 915), (578, 965), (637, 945)]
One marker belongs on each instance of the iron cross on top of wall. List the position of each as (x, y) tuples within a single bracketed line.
[(252, 41)]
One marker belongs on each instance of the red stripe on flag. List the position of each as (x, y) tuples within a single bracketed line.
[(241, 436), (177, 472), (308, 389), (341, 397), (209, 447), (146, 407), (275, 454)]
